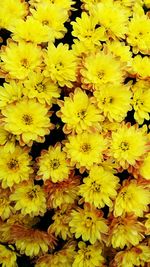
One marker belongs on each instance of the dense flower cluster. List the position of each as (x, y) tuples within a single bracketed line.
[(74, 133)]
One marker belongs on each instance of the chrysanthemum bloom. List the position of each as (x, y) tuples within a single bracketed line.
[(132, 197), (13, 10), (7, 140), (8, 257), (85, 149), (120, 50), (144, 168), (79, 113), (29, 199), (37, 86), (60, 64), (31, 242), (15, 166), (22, 120), (89, 256), (113, 17), (125, 231), (138, 35), (128, 145), (30, 30), (99, 188), (65, 192), (6, 209), (10, 92), (136, 256), (141, 67), (52, 17), (87, 30), (60, 226), (99, 69), (19, 59), (53, 165), (141, 100), (114, 101), (88, 223), (63, 257)]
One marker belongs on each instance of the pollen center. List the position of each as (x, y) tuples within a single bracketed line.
[(85, 147), (81, 114), (124, 146), (27, 119), (13, 164), (54, 164), (40, 87)]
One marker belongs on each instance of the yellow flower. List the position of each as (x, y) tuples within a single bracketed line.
[(141, 100), (114, 101), (125, 231), (60, 65), (19, 59), (79, 113), (85, 149), (15, 166), (139, 34), (87, 30), (65, 192), (99, 69), (11, 10), (99, 188), (37, 86), (141, 67), (7, 140), (132, 197), (144, 168), (113, 17), (22, 120), (88, 223), (60, 226), (10, 92), (52, 17), (30, 30), (89, 256), (30, 241), (128, 145), (53, 164), (60, 258), (6, 209), (29, 199), (136, 256), (7, 256)]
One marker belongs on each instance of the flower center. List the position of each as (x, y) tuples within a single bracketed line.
[(24, 62), (27, 119), (81, 114), (13, 164), (100, 74), (32, 194), (107, 100), (88, 222), (40, 87), (54, 164), (124, 146), (85, 147), (96, 187), (45, 22)]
